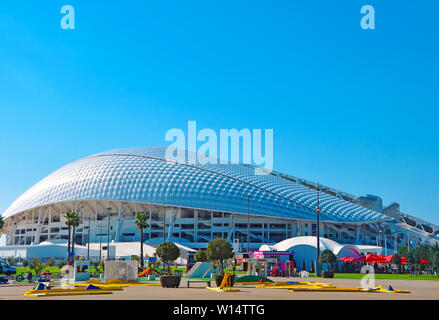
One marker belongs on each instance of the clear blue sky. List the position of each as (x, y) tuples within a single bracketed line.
[(356, 110)]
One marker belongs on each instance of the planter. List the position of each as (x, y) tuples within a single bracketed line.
[(328, 274), (170, 281), (219, 279)]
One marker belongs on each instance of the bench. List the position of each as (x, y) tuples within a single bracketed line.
[(189, 281)]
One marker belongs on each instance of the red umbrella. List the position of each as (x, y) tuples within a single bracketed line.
[(424, 261), (389, 258), (403, 260), (372, 258), (348, 259)]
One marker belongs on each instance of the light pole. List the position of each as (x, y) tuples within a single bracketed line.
[(108, 234), (88, 243), (164, 221), (385, 243), (318, 231), (248, 223), (100, 246)]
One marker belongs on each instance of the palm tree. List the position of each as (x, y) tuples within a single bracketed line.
[(2, 222), (72, 219), (141, 223), (75, 223)]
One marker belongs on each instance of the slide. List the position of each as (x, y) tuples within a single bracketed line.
[(145, 272), (200, 270)]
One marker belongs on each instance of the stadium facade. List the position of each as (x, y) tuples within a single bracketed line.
[(193, 203)]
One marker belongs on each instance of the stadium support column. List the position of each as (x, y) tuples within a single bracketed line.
[(358, 234), (119, 223), (318, 232), (171, 225), (37, 235), (108, 233), (248, 223)]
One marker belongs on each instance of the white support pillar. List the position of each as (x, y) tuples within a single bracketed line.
[(37, 235), (119, 223)]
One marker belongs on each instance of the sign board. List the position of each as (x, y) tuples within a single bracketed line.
[(81, 270)]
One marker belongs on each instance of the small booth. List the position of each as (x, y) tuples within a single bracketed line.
[(267, 263)]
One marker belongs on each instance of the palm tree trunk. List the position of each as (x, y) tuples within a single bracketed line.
[(141, 249), (68, 247), (73, 239)]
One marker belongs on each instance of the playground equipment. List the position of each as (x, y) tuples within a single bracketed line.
[(145, 272), (114, 283), (6, 269), (200, 270), (64, 292), (28, 276), (252, 280), (226, 285), (325, 287)]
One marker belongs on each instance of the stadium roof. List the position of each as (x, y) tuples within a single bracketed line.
[(143, 175)]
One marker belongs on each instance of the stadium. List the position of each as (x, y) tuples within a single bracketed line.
[(190, 204)]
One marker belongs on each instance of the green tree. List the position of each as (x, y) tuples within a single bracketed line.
[(411, 260), (397, 261), (37, 266), (50, 262), (201, 256), (10, 260), (72, 219), (326, 256), (435, 262), (60, 263), (168, 252), (219, 250), (141, 224), (403, 251)]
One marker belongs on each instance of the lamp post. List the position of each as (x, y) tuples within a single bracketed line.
[(385, 243), (318, 231), (88, 243), (108, 234), (100, 246), (164, 221), (248, 223)]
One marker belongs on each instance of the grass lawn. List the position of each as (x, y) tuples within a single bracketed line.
[(53, 270), (382, 276), (386, 276)]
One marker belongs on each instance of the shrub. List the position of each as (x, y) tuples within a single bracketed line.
[(201, 256), (50, 262), (25, 263), (326, 256), (37, 266), (60, 263), (10, 260)]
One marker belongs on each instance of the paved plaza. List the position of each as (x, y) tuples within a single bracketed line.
[(419, 290)]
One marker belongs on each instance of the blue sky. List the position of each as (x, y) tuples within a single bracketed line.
[(356, 110)]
